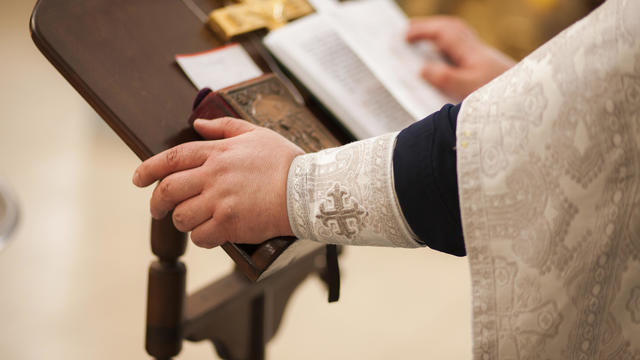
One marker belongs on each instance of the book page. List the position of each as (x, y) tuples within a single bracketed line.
[(376, 30), (323, 62)]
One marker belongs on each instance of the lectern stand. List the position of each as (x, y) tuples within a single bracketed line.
[(238, 316), (119, 55)]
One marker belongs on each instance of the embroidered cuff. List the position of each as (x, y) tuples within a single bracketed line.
[(346, 195)]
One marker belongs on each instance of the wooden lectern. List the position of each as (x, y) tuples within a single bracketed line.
[(119, 55)]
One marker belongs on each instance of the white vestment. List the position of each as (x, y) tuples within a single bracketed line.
[(548, 172), (549, 175)]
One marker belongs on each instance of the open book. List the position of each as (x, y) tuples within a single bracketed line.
[(354, 58)]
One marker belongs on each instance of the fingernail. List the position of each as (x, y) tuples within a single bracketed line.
[(136, 178)]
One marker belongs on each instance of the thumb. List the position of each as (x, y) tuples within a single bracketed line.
[(222, 128), (444, 77)]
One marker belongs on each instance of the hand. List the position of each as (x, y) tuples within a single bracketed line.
[(228, 189), (473, 63)]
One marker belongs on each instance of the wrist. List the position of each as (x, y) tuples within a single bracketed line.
[(284, 223), (345, 196)]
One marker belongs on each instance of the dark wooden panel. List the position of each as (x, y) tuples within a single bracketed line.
[(119, 55)]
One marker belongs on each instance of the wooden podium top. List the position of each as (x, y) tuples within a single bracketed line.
[(120, 56)]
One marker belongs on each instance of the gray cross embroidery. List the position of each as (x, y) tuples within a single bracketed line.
[(337, 219)]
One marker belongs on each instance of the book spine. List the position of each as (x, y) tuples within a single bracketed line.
[(211, 106)]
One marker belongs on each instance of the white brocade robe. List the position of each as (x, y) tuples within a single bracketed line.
[(549, 184), (548, 158)]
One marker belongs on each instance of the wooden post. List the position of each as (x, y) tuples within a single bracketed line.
[(166, 291)]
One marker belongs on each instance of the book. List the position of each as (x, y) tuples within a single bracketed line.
[(354, 58)]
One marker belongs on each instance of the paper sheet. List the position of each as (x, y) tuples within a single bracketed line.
[(219, 67)]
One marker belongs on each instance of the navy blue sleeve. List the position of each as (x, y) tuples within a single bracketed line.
[(426, 182)]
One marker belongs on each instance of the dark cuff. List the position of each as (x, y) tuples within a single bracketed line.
[(426, 182)]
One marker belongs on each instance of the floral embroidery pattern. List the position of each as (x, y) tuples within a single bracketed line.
[(549, 184)]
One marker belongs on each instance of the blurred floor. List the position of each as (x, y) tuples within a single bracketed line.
[(73, 280)]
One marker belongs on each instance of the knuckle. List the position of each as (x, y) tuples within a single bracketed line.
[(173, 156), (221, 147), (164, 190), (180, 220), (225, 213), (229, 221), (220, 169), (227, 121)]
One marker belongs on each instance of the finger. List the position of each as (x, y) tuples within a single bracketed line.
[(178, 158), (222, 128), (175, 189), (192, 212), (426, 28), (450, 35), (429, 28), (206, 236), (446, 78)]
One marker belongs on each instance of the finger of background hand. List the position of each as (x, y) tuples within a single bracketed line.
[(222, 128), (433, 26), (174, 189), (206, 235), (428, 28), (181, 157), (192, 212), (446, 78), (450, 35)]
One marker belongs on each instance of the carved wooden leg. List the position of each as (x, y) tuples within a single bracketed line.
[(237, 315), (166, 292), (240, 317)]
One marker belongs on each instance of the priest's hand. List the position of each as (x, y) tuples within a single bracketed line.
[(230, 188), (472, 62)]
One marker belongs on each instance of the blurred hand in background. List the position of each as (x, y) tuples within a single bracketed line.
[(472, 63)]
